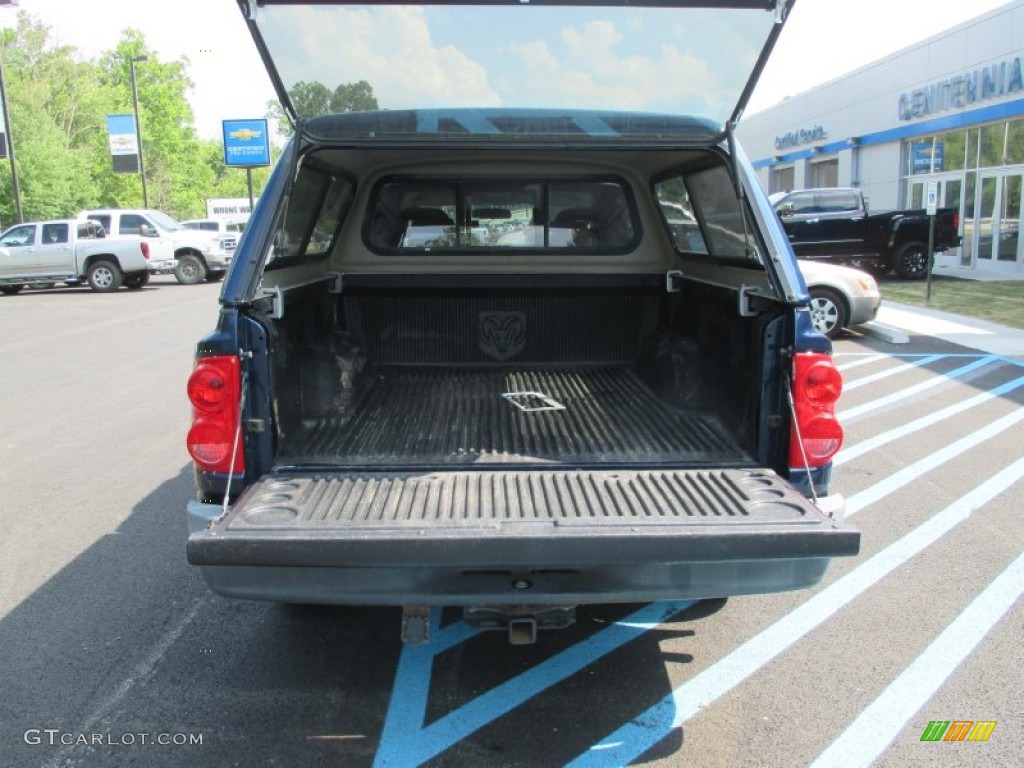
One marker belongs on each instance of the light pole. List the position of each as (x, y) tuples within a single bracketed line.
[(138, 128)]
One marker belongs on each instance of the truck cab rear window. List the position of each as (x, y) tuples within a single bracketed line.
[(468, 215)]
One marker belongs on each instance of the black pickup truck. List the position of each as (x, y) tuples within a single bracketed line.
[(834, 225), (513, 359)]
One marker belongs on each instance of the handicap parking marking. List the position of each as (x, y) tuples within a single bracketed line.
[(646, 730), (917, 389), (406, 741), (881, 722)]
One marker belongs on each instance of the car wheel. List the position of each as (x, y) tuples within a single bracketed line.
[(828, 311), (189, 270), (137, 281), (10, 290), (104, 276), (912, 261), (214, 275)]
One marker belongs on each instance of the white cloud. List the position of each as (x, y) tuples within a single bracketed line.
[(391, 48)]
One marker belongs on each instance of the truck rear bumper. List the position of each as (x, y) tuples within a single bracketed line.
[(512, 537)]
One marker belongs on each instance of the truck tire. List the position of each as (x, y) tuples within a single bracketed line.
[(828, 311), (10, 290), (104, 276), (911, 261), (137, 281), (190, 270), (214, 275)]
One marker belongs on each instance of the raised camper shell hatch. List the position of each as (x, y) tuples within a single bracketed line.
[(682, 57)]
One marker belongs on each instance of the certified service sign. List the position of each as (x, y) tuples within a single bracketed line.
[(246, 143)]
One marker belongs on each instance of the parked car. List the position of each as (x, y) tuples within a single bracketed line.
[(229, 231), (43, 253), (611, 409), (191, 255), (840, 296), (833, 224)]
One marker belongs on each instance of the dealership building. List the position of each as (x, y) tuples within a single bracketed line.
[(948, 110)]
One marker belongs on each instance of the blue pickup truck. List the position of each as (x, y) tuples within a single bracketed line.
[(514, 358)]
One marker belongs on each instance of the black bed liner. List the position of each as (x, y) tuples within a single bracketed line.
[(519, 519), (430, 416)]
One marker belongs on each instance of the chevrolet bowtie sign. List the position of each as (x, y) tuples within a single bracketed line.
[(246, 143), (124, 144)]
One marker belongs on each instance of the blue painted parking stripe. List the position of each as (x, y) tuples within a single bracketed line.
[(863, 360), (930, 463), (866, 446), (645, 731), (406, 742), (917, 388), (881, 722), (901, 368)]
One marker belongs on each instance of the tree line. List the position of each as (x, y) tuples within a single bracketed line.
[(58, 103)]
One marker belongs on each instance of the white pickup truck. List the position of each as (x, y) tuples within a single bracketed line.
[(192, 255), (63, 251)]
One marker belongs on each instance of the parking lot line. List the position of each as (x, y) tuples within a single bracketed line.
[(866, 446), (894, 371), (881, 722), (406, 742), (917, 389), (908, 474), (646, 730)]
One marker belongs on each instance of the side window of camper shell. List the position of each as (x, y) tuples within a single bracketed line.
[(317, 205), (703, 214)]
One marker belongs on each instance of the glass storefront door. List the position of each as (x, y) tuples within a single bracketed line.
[(996, 223)]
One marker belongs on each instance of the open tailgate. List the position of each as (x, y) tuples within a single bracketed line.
[(519, 519)]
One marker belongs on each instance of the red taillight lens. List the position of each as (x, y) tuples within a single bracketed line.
[(817, 436), (822, 382), (210, 442), (214, 388), (145, 250), (208, 386), (956, 221)]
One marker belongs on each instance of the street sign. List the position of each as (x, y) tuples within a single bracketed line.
[(933, 198), (246, 143)]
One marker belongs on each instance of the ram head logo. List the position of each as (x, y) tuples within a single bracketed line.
[(502, 334)]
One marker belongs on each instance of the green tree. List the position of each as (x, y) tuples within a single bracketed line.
[(47, 93), (59, 103), (313, 99)]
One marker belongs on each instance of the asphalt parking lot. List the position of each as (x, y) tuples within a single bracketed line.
[(115, 654)]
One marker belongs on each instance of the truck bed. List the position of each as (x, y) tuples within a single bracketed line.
[(440, 416)]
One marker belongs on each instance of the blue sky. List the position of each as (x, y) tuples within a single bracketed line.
[(822, 40)]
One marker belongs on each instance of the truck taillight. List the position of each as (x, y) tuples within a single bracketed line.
[(214, 389), (956, 222), (145, 250), (817, 435)]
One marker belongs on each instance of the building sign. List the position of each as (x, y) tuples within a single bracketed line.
[(228, 208), (924, 154), (246, 143), (124, 144), (991, 82), (800, 136)]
